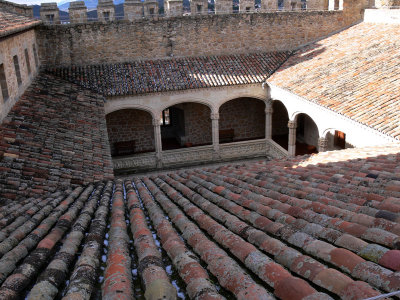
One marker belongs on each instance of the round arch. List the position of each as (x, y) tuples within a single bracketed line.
[(241, 96), (280, 119), (127, 106), (307, 134), (130, 131)]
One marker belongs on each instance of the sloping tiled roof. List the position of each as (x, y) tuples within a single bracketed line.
[(12, 23), (355, 73), (305, 228), (150, 76), (54, 136)]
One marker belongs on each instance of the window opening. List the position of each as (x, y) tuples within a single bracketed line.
[(3, 83), (165, 117), (28, 63), (17, 71)]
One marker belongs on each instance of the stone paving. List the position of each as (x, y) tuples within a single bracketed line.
[(324, 226)]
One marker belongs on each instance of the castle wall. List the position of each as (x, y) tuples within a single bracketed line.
[(9, 47), (128, 125), (245, 116), (199, 35)]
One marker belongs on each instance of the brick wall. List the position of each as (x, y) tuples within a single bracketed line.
[(246, 116), (131, 124), (122, 41), (16, 45), (54, 137)]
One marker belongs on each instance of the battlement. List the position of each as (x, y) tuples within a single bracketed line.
[(20, 9), (136, 9)]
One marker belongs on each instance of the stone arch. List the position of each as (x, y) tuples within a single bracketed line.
[(307, 134), (130, 131), (125, 105), (222, 101), (189, 125), (280, 119), (242, 119), (205, 102)]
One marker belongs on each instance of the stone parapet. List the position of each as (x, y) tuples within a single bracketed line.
[(20, 9), (105, 11), (173, 7), (133, 9)]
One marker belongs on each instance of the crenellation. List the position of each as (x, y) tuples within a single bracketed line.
[(223, 6), (151, 8), (49, 13), (246, 6), (173, 8), (198, 7), (133, 9), (105, 11), (77, 12), (21, 9)]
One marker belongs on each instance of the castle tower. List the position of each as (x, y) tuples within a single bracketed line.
[(49, 13), (105, 10), (246, 5), (133, 9), (198, 7), (173, 7), (151, 8), (77, 12), (271, 5), (223, 6)]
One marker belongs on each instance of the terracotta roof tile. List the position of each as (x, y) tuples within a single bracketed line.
[(151, 76), (11, 23), (354, 73), (255, 230)]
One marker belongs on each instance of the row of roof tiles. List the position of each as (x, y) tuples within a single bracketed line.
[(11, 23), (304, 228), (150, 76)]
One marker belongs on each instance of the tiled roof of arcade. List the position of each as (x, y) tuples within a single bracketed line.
[(354, 73), (141, 77), (317, 227), (11, 23)]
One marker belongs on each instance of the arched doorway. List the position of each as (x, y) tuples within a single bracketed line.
[(306, 135), (130, 131), (280, 119), (186, 125), (241, 119)]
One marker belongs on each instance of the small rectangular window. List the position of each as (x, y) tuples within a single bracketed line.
[(28, 63), (3, 83), (340, 139), (35, 55), (50, 19), (165, 118), (151, 11), (17, 71), (106, 15)]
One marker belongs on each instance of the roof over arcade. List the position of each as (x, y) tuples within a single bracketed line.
[(173, 74), (354, 73)]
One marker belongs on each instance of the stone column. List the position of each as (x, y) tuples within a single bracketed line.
[(292, 138), (322, 144), (157, 141), (215, 133), (268, 120)]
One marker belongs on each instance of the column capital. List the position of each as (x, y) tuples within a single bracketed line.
[(214, 116), (156, 122), (268, 109), (292, 124)]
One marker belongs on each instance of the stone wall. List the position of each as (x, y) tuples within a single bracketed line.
[(121, 41), (197, 123), (245, 116), (54, 137), (16, 45), (128, 125)]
